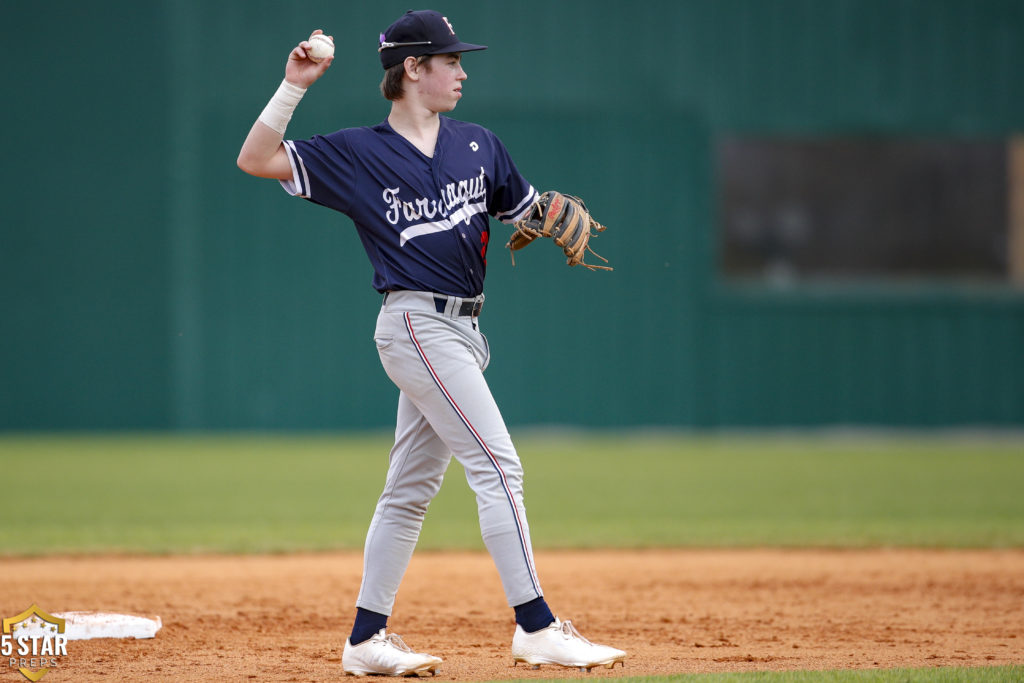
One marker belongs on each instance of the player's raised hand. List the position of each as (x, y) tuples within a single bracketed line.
[(303, 69)]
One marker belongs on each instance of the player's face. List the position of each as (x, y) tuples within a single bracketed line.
[(441, 84)]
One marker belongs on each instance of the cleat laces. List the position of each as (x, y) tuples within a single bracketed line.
[(396, 641), (570, 632)]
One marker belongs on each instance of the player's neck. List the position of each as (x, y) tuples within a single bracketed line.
[(416, 124)]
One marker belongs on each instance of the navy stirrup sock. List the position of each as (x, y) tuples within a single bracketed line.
[(534, 615), (367, 625)]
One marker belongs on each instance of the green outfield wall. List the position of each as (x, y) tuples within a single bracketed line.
[(147, 283)]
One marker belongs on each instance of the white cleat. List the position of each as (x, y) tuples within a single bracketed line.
[(386, 655), (561, 644)]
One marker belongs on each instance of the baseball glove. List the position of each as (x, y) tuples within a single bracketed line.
[(566, 220)]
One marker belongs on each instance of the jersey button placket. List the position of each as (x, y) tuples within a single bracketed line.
[(435, 170)]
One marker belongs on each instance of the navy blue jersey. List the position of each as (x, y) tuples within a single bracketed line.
[(422, 220)]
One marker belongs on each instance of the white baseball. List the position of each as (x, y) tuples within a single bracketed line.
[(321, 48)]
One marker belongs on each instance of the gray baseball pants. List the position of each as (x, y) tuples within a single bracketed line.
[(445, 408)]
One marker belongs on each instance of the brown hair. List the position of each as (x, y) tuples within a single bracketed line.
[(391, 86)]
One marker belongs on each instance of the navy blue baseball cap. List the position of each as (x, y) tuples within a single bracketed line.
[(417, 33)]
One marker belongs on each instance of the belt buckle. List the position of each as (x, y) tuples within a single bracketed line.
[(466, 307)]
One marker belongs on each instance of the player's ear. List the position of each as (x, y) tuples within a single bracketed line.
[(412, 68)]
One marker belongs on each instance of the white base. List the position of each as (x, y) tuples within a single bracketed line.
[(88, 625)]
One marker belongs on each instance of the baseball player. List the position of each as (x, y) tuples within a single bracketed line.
[(420, 188)]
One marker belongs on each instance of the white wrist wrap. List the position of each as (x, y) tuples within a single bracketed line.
[(279, 109)]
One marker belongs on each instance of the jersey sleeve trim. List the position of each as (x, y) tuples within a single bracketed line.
[(520, 210), (298, 186)]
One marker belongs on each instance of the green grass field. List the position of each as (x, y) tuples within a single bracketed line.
[(269, 493), (272, 493)]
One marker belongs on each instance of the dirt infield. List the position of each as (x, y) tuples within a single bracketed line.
[(285, 618)]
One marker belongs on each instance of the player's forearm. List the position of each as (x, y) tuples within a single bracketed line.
[(262, 154)]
